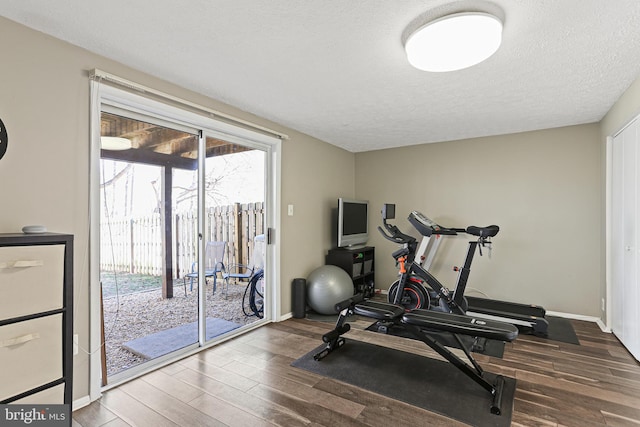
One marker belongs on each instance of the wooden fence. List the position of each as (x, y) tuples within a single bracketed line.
[(135, 245)]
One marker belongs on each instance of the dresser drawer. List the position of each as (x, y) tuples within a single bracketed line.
[(31, 279), (30, 354), (50, 396)]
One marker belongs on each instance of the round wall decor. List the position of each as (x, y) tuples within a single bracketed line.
[(4, 138)]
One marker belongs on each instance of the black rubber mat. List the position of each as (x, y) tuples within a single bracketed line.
[(427, 383), (561, 329)]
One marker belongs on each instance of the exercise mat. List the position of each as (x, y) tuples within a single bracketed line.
[(427, 383), (561, 329), (487, 347)]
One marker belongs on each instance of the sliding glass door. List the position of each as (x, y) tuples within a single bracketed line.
[(184, 208), (233, 235)]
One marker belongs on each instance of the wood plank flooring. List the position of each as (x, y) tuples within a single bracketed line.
[(248, 381)]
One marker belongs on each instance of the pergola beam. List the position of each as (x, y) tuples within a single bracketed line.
[(150, 158)]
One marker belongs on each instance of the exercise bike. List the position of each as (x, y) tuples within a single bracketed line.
[(529, 318), (413, 276)]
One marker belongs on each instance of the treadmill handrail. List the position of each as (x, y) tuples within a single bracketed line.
[(426, 226), (394, 234)]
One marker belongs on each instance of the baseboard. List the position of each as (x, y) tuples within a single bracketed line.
[(80, 403), (603, 327), (593, 319), (286, 316)]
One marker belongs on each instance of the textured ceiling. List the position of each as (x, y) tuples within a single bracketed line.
[(336, 69)]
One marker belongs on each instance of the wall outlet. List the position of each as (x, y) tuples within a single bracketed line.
[(602, 304), (75, 344)]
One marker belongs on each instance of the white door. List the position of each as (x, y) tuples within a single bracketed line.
[(625, 239)]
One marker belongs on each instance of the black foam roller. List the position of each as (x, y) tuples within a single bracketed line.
[(299, 298)]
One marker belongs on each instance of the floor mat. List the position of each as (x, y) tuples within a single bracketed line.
[(560, 329), (164, 342), (492, 348), (427, 383)]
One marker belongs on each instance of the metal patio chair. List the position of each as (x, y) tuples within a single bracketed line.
[(214, 264), (240, 272)]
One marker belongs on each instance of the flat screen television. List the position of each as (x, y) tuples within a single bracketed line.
[(352, 223)]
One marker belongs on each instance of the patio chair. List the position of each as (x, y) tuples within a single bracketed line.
[(238, 272), (214, 264)]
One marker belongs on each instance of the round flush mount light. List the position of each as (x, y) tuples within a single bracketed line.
[(114, 143), (454, 42)]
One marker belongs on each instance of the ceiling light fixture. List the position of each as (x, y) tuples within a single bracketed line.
[(454, 42), (114, 143)]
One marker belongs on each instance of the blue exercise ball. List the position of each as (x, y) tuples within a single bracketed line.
[(327, 286)]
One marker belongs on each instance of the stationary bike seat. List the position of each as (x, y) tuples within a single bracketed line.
[(488, 231)]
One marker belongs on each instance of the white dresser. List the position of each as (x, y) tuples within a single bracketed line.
[(36, 318)]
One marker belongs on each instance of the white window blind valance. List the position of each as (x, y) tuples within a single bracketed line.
[(225, 121)]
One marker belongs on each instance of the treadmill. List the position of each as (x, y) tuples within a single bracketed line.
[(528, 318)]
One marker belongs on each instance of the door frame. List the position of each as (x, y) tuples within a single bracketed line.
[(182, 113), (609, 165)]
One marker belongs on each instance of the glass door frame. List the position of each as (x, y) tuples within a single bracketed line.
[(204, 125)]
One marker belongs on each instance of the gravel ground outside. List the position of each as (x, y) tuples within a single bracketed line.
[(142, 313)]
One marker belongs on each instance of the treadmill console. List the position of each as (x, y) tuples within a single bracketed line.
[(427, 226)]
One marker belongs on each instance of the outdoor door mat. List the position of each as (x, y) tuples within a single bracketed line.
[(488, 347), (427, 383), (164, 342)]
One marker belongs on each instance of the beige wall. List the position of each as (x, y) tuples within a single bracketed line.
[(542, 188), (314, 175), (44, 103)]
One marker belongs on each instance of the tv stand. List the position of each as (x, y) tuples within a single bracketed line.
[(358, 262), (354, 247)]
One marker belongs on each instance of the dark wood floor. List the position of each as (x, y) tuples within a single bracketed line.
[(248, 381)]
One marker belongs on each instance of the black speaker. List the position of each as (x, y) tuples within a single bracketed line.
[(299, 298)]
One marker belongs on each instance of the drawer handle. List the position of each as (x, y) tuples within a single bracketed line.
[(19, 340), (22, 264)]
